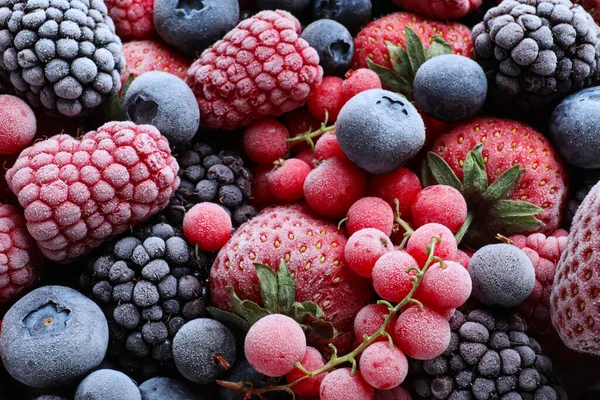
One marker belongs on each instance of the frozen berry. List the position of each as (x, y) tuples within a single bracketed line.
[(359, 81), (340, 384), (382, 366), (327, 146), (274, 344), (447, 286), (17, 124), (325, 101), (312, 361), (261, 193), (208, 225), (397, 393), (421, 238), (333, 43), (391, 280), (286, 181), (440, 204), (422, 334), (402, 185), (162, 388), (370, 212), (308, 156), (370, 318), (364, 248), (265, 141), (463, 257), (353, 14), (107, 384), (300, 121)]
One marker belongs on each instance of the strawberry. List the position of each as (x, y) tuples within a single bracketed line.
[(149, 55), (440, 9), (512, 179)]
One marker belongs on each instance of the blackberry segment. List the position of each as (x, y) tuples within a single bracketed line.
[(493, 359), (148, 284)]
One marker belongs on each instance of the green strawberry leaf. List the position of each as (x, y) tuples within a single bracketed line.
[(249, 310), (229, 319), (113, 107), (268, 286), (390, 79), (399, 61), (512, 208), (320, 331), (415, 50), (474, 172), (438, 47), (465, 227), (442, 173), (307, 309), (505, 184), (287, 289)]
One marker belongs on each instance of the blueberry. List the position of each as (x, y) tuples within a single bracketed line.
[(293, 6), (107, 384), (450, 88), (575, 128), (190, 26), (379, 131), (353, 14), (161, 388), (52, 336), (174, 112), (202, 349), (333, 43)]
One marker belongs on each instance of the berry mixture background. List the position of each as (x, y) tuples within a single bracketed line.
[(299, 200)]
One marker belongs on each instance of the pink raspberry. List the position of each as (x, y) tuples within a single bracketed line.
[(17, 124), (286, 181), (440, 204), (132, 18), (360, 80), (364, 248), (274, 344), (370, 212), (420, 239), (79, 193), (339, 384), (382, 366), (390, 279), (328, 146), (370, 318), (401, 184), (422, 335), (265, 141), (312, 361), (445, 287), (208, 225), (326, 97)]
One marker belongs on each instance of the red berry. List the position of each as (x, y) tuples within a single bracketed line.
[(261, 193), (370, 318), (312, 361), (339, 384), (132, 18), (308, 156), (401, 184), (331, 188), (300, 121), (360, 80), (208, 225), (265, 141), (445, 287), (396, 393), (463, 258), (17, 124), (382, 366), (422, 334), (274, 344), (364, 248), (370, 212), (327, 146), (391, 280), (420, 239), (148, 55), (286, 182), (441, 204), (326, 97)]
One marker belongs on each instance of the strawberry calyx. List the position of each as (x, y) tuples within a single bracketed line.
[(490, 210), (113, 107)]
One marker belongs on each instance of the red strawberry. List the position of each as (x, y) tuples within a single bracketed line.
[(314, 252), (149, 55), (440, 9), (133, 18), (370, 43)]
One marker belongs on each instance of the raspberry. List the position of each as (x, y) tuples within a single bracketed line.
[(325, 102), (422, 334), (383, 367), (259, 81), (370, 212), (440, 204), (274, 344), (339, 384), (149, 55), (308, 157), (331, 188), (20, 260), (79, 193), (370, 318), (312, 361), (17, 124), (396, 393), (208, 225), (360, 80), (401, 184), (420, 239), (132, 18), (265, 141), (390, 279), (286, 181), (328, 146), (261, 193), (445, 287), (364, 248)]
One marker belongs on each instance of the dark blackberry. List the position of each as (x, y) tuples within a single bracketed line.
[(494, 359), (62, 55), (210, 177), (149, 284)]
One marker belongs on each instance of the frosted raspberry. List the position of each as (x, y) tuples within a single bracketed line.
[(421, 238), (17, 124), (440, 204), (286, 181), (79, 193), (360, 80), (132, 18), (208, 225), (261, 68), (390, 277), (328, 146), (312, 361), (401, 184), (265, 141), (422, 334), (274, 344), (382, 366), (326, 101), (20, 260), (364, 248), (445, 287), (149, 55), (370, 318), (339, 384), (370, 212)]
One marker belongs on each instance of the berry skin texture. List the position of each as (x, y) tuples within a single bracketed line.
[(402, 184), (332, 187), (207, 225), (420, 239), (149, 55), (58, 318), (107, 384), (18, 124), (370, 212), (327, 146), (265, 83), (326, 101), (463, 258), (383, 367), (293, 6), (286, 182), (333, 43), (364, 248), (79, 193), (261, 193), (308, 157), (390, 279), (379, 131), (312, 361), (265, 141), (133, 18), (441, 10), (160, 388), (339, 384), (397, 393), (370, 318), (440, 204), (445, 287), (450, 88), (353, 14), (274, 344), (502, 275), (300, 121), (422, 335), (359, 81)]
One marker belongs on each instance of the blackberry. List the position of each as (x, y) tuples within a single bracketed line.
[(207, 176), (489, 357), (62, 55), (148, 284)]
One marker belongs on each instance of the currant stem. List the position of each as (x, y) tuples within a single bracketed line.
[(400, 221), (310, 135)]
